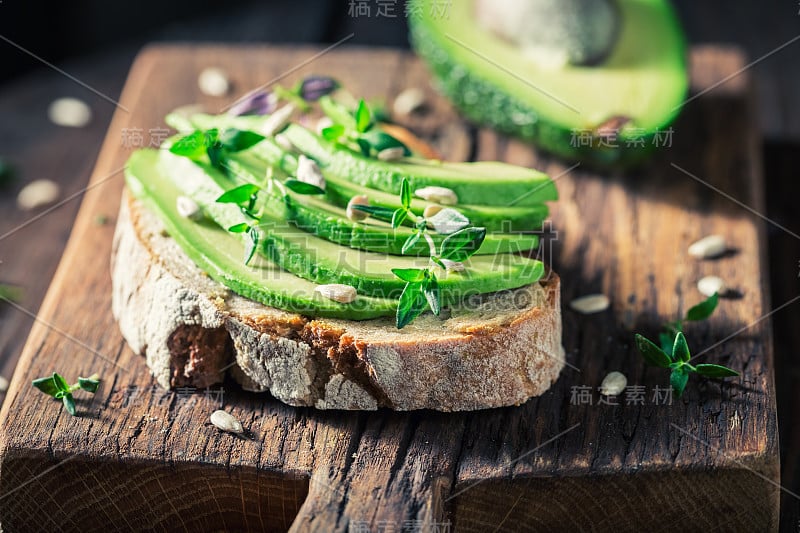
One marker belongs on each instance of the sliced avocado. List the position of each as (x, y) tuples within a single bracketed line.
[(339, 191), (219, 254), (570, 110), (319, 260), (489, 183), (329, 221)]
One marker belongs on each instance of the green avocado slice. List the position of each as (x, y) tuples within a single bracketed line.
[(219, 253), (330, 221), (321, 261), (641, 84)]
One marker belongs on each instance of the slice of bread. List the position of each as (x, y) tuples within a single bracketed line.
[(499, 349)]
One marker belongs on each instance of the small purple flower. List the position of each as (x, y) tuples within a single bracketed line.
[(260, 102), (315, 87)]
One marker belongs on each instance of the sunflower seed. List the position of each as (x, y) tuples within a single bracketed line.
[(613, 384), (3, 384), (431, 210), (38, 193), (214, 81), (392, 154), (710, 285), (337, 292), (69, 112), (187, 208), (448, 221), (284, 142), (408, 101), (308, 172), (356, 214), (226, 422), (453, 266), (591, 303), (440, 195), (277, 121), (707, 247)]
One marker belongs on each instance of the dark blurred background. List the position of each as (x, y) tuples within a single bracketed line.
[(95, 42)]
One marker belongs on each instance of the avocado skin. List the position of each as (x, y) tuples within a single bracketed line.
[(484, 103)]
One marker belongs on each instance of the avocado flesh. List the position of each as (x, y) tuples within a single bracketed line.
[(330, 222), (220, 255), (643, 79), (323, 262)]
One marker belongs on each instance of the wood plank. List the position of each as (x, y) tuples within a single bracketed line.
[(152, 462)]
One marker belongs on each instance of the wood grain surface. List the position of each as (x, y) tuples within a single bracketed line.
[(142, 458)]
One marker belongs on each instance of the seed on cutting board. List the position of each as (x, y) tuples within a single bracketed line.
[(440, 195), (356, 214), (3, 384), (408, 101), (591, 303), (69, 112), (392, 154), (38, 193), (213, 82), (710, 285), (226, 422), (337, 292), (187, 208), (707, 247), (613, 384), (308, 172)]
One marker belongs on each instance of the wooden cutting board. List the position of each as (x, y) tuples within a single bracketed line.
[(142, 458)]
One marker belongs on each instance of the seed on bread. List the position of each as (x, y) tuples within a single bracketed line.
[(356, 214), (440, 195), (337, 292)]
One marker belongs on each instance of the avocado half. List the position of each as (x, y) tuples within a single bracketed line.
[(610, 113)]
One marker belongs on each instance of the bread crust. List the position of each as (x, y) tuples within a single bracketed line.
[(495, 350)]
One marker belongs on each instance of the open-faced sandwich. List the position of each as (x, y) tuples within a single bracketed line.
[(334, 266)]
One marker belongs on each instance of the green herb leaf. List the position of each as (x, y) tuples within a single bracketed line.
[(654, 355), (383, 213), (704, 309), (69, 403), (242, 227), (405, 194), (234, 140), (430, 287), (88, 384), (412, 240), (398, 217), (363, 117), (333, 133), (380, 140), (252, 244), (678, 379), (302, 187), (192, 146), (6, 172), (460, 245), (412, 304), (60, 382), (666, 340), (715, 371), (46, 385), (337, 113), (412, 275), (366, 148), (239, 195), (680, 350), (10, 293)]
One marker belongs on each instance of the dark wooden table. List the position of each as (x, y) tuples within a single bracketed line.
[(31, 242)]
